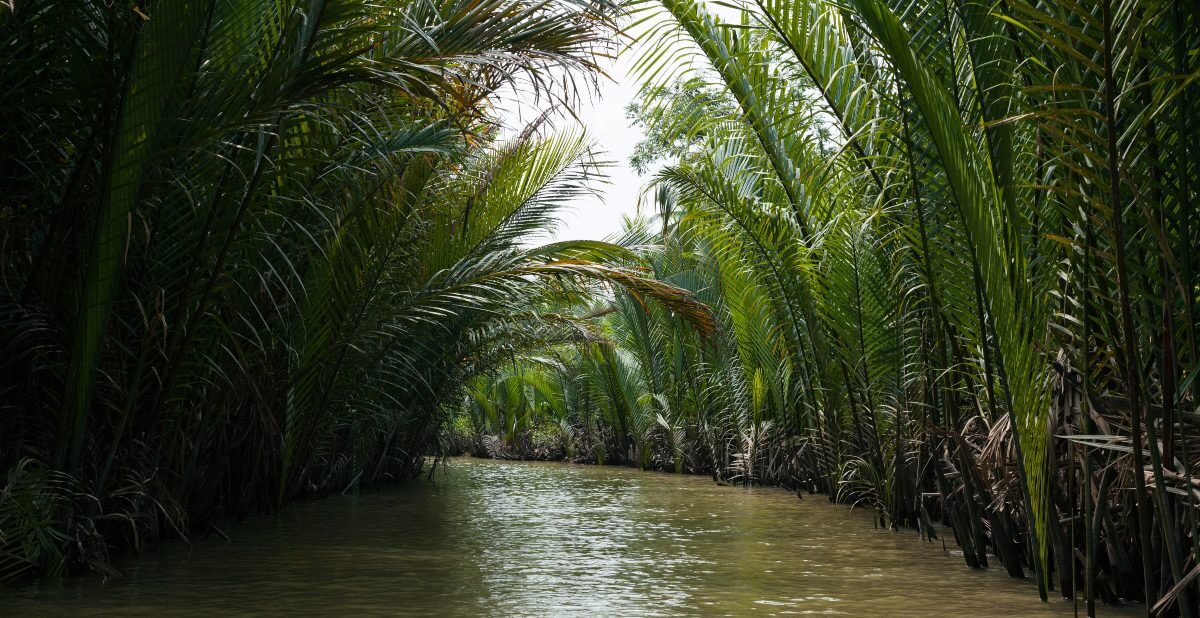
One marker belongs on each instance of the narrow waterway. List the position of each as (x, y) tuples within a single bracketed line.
[(507, 538)]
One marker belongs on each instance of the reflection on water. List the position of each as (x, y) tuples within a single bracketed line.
[(504, 538)]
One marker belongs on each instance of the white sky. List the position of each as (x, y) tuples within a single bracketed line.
[(605, 122), (603, 119)]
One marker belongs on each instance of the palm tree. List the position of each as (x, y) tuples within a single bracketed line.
[(251, 248), (950, 245)]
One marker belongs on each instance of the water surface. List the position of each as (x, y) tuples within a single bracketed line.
[(509, 538)]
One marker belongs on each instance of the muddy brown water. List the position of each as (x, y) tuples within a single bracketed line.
[(543, 539)]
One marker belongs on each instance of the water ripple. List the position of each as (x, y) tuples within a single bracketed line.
[(528, 539)]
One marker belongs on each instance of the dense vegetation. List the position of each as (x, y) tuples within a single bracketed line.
[(952, 249), (248, 247), (938, 257)]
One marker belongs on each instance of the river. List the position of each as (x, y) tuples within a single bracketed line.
[(518, 538)]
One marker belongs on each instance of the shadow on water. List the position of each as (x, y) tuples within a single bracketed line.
[(507, 538)]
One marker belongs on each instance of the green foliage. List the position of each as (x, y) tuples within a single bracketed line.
[(937, 257), (942, 240), (251, 249)]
